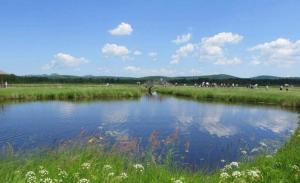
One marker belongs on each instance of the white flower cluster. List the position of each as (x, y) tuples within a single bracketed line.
[(30, 177), (62, 173), (180, 180), (107, 167), (253, 174), (236, 174), (83, 180), (139, 167), (230, 175), (86, 166), (123, 175), (43, 172), (46, 180)]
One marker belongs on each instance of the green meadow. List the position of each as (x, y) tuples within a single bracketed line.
[(90, 162)]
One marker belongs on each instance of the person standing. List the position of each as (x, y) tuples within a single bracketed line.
[(5, 84)]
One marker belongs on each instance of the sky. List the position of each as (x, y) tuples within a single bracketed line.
[(136, 38)]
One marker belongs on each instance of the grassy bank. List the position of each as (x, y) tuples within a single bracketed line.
[(289, 98), (69, 92), (91, 164)]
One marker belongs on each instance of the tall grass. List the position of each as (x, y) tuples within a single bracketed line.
[(289, 98), (93, 163), (69, 92)]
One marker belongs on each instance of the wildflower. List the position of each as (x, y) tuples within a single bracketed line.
[(236, 174), (234, 164), (178, 181), (43, 172), (295, 167), (30, 177), (47, 180), (86, 166), (139, 167), (107, 167), (83, 180), (224, 175), (111, 174), (226, 167), (253, 174), (123, 175), (62, 173), (223, 161)]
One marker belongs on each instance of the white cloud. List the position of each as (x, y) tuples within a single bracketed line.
[(182, 52), (138, 71), (225, 61), (255, 62), (115, 50), (132, 69), (153, 55), (122, 29), (280, 52), (137, 53), (182, 38), (212, 48), (64, 60)]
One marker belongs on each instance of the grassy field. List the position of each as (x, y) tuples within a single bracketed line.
[(289, 98), (90, 164), (69, 92)]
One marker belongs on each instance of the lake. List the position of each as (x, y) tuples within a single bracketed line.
[(204, 135)]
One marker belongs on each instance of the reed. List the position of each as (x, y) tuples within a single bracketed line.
[(69, 92)]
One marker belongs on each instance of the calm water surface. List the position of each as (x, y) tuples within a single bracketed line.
[(208, 133)]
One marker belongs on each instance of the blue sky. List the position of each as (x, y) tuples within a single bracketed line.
[(137, 38)]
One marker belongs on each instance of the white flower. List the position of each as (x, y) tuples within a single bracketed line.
[(223, 161), (295, 167), (139, 167), (47, 180), (62, 173), (236, 174), (83, 180), (224, 175), (254, 174), (234, 164), (30, 177), (107, 167), (86, 166), (178, 181), (123, 175), (111, 174), (43, 172)]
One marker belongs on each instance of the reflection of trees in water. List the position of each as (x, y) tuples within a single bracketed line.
[(2, 107)]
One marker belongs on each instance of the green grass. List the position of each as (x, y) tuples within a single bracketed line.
[(284, 98), (69, 92), (278, 168), (13, 167)]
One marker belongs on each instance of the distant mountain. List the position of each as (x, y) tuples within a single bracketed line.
[(266, 77), (218, 76)]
